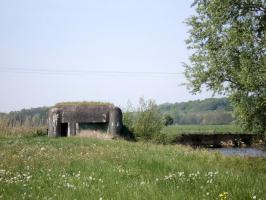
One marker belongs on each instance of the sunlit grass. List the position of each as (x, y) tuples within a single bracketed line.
[(207, 129), (87, 168)]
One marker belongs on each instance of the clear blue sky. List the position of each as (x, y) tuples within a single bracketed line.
[(53, 50)]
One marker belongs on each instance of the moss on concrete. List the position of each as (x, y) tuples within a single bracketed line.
[(83, 103)]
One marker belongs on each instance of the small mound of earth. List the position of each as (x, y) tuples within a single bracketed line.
[(95, 134)]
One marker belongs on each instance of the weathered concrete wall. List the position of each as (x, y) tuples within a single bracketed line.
[(54, 122), (115, 123), (73, 115), (86, 113)]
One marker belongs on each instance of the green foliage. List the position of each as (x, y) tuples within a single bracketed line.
[(24, 123), (129, 115), (40, 132), (128, 122), (207, 111), (145, 121), (214, 117), (250, 111), (209, 104), (168, 120), (228, 42), (33, 117), (148, 121)]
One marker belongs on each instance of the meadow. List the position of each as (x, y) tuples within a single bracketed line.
[(87, 168), (206, 129)]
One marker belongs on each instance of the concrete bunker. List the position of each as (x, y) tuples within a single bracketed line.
[(69, 119)]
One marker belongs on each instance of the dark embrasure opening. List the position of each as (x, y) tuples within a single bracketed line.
[(64, 128)]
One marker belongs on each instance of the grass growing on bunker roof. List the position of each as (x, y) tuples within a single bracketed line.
[(83, 103)]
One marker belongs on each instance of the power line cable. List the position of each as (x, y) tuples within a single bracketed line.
[(90, 72)]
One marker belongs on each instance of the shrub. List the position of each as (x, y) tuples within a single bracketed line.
[(145, 121), (168, 120), (40, 132)]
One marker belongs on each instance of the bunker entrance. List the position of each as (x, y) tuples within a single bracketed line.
[(64, 129), (93, 127)]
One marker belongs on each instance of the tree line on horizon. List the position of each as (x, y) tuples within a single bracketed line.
[(33, 117), (207, 111)]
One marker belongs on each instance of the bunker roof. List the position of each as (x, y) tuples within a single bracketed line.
[(82, 103)]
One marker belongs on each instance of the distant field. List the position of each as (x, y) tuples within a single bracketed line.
[(179, 129), (86, 168)]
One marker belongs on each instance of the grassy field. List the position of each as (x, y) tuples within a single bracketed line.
[(179, 129), (86, 168)]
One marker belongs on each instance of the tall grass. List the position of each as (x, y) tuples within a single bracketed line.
[(21, 131), (86, 168)]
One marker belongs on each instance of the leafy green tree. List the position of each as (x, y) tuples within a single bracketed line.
[(148, 121), (168, 120), (228, 42)]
